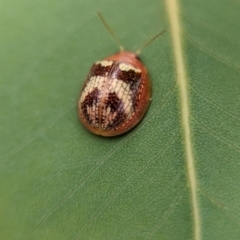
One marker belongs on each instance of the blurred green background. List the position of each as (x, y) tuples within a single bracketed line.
[(58, 181)]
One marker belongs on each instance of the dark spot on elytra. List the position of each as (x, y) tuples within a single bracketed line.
[(116, 106), (113, 102), (90, 100), (99, 70), (130, 77)]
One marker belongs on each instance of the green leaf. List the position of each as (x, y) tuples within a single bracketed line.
[(174, 176)]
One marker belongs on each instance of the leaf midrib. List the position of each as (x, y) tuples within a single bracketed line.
[(182, 81)]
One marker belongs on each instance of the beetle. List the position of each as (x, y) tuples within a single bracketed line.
[(116, 93)]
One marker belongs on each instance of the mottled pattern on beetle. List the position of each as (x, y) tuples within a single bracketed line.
[(101, 68), (90, 107), (113, 113), (120, 84), (131, 76)]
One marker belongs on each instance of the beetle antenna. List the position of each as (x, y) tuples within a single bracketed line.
[(111, 32), (148, 42)]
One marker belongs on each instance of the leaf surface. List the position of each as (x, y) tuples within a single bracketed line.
[(58, 181)]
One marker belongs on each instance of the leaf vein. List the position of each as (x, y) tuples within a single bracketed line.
[(128, 181), (210, 131), (215, 104), (204, 50)]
